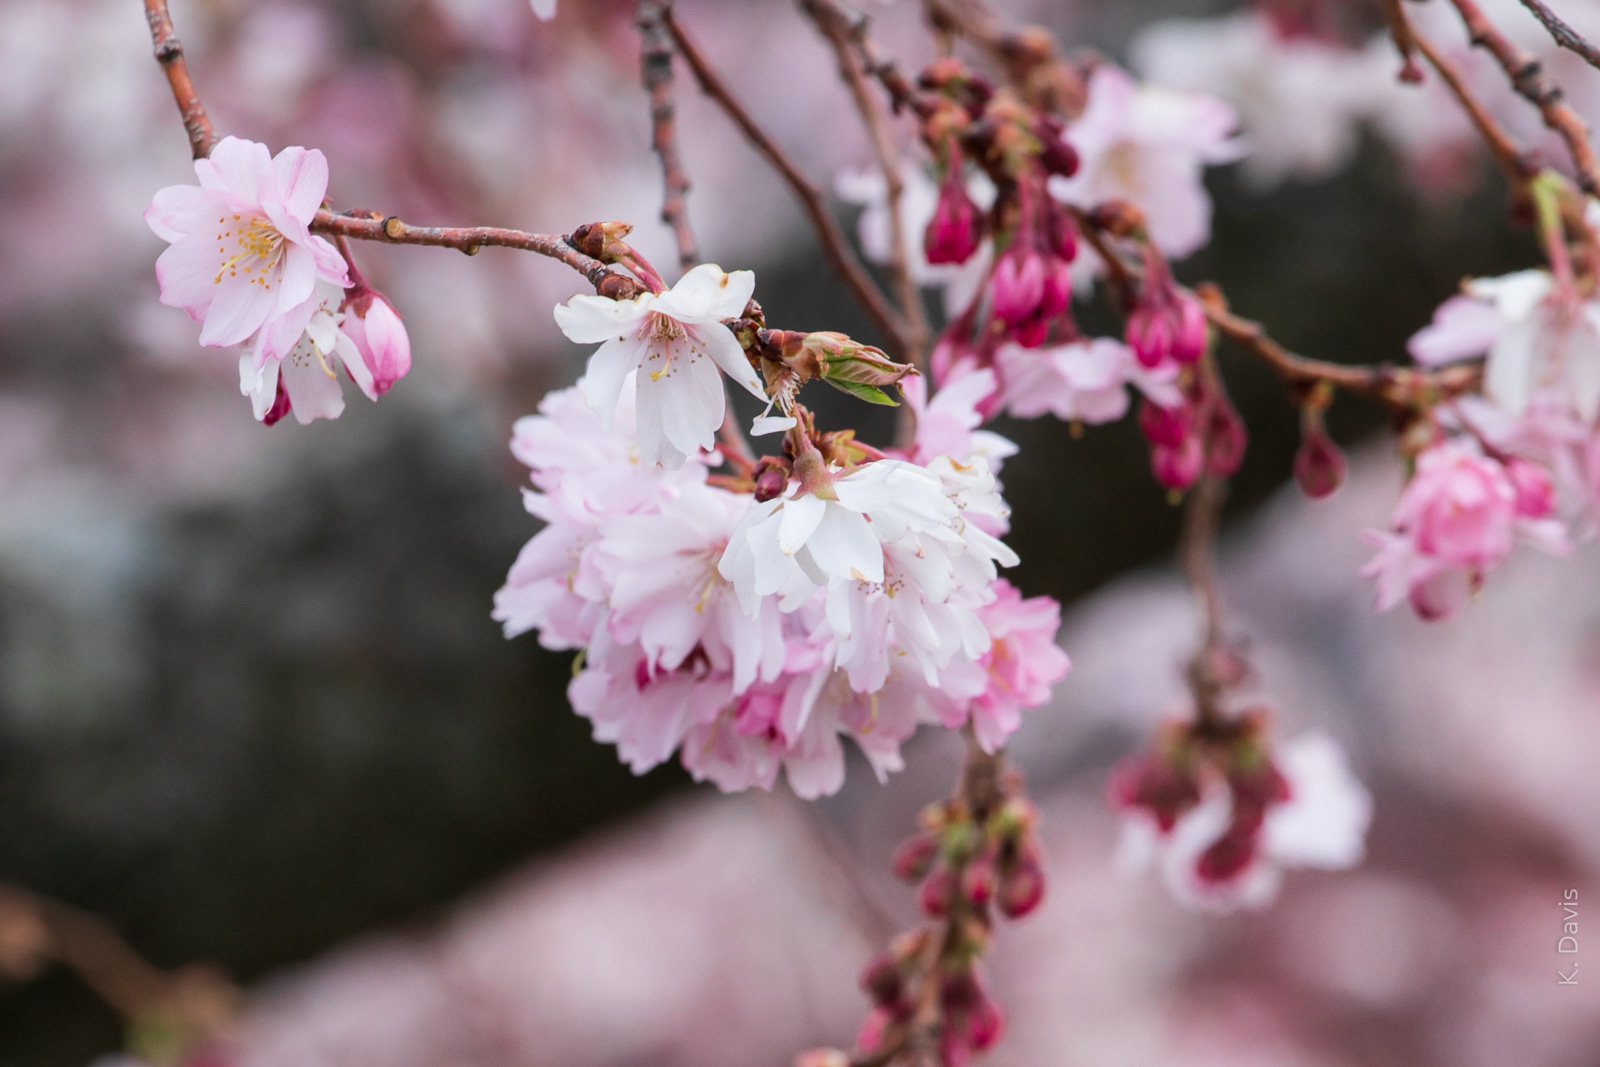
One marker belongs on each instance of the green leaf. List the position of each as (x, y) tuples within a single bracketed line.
[(861, 391)]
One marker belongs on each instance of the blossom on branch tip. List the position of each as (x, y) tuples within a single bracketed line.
[(1541, 338), (242, 260), (1456, 522), (677, 343)]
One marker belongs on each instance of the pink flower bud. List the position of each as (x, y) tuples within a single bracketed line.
[(1318, 463), (881, 980), (1190, 332), (913, 857), (938, 890), (1178, 467), (956, 227), (1021, 885), (1226, 440), (1165, 426), (1536, 491), (978, 879), (1149, 334), (1017, 286), (379, 335), (870, 1037), (1154, 784), (1055, 153)]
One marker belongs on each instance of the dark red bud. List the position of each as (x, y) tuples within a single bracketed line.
[(881, 980), (1319, 465), (938, 890), (1178, 467), (1021, 885), (1226, 440), (978, 879), (1165, 426), (913, 857)]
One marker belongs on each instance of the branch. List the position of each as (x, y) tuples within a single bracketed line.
[(169, 53), (1564, 35), (1527, 78), (834, 246), (372, 226), (841, 32), (1516, 163), (656, 64)]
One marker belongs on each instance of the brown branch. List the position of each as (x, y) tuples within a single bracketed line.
[(884, 317), (372, 226), (1517, 165), (656, 73), (35, 930), (841, 33), (1527, 78), (169, 53), (1564, 35)]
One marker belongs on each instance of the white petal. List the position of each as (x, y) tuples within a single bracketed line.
[(608, 369), (588, 320), (706, 295), (766, 424), (845, 547), (799, 519)]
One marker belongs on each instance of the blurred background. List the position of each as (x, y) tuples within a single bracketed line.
[(254, 712)]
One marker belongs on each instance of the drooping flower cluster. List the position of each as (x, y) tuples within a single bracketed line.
[(244, 264), (753, 628), (1458, 520), (1221, 814)]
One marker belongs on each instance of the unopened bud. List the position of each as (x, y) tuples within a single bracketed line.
[(1057, 156), (937, 893), (914, 856), (1165, 426), (1319, 465), (1226, 439), (956, 228), (882, 981), (372, 323), (771, 475), (978, 879), (1021, 885), (1190, 332), (1149, 333), (1178, 467), (594, 239)]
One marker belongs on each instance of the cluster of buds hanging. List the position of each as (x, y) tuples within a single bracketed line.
[(1221, 808), (1201, 435), (972, 855), (1027, 292)]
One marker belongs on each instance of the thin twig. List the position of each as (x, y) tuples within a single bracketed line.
[(656, 72), (372, 226), (1512, 160), (1527, 78), (840, 32), (169, 53), (1564, 35), (884, 317)]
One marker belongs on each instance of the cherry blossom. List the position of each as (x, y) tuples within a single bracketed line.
[(1083, 381), (1539, 335), (1021, 664), (1148, 145), (242, 260), (1457, 521), (677, 340), (1222, 837), (1301, 99), (306, 379)]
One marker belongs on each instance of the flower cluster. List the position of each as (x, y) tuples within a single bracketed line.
[(1458, 520), (244, 264), (752, 624), (1222, 815)]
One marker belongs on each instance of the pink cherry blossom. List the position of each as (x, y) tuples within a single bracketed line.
[(1022, 662), (1540, 338), (1085, 381), (677, 340), (1148, 146), (948, 425), (1457, 521), (242, 260), (306, 379)]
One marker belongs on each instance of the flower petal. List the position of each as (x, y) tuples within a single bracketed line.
[(707, 295), (588, 320)]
